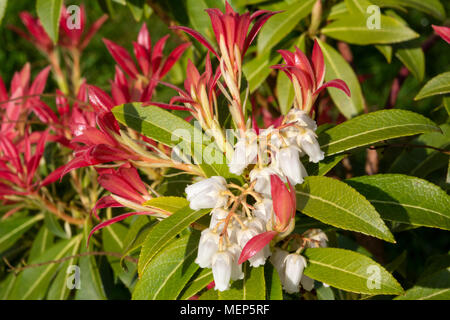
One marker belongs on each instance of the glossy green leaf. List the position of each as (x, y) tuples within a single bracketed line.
[(278, 26), (273, 284), (338, 68), (338, 11), (434, 286), (252, 287), (7, 285), (413, 59), (373, 127), (49, 12), (258, 69), (333, 202), (169, 204), (41, 243), (161, 234), (12, 229), (438, 85), (198, 282), (52, 223), (167, 274), (386, 51), (349, 271), (354, 29), (406, 199), (3, 4)]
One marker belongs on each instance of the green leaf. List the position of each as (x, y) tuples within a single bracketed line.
[(338, 68), (161, 234), (258, 69), (53, 225), (169, 204), (167, 274), (431, 7), (3, 4), (438, 85), (49, 12), (373, 127), (357, 6), (278, 26), (386, 51), (7, 285), (273, 283), (198, 17), (338, 11), (413, 59), (113, 241), (252, 287), (333, 202), (435, 286), (349, 271), (200, 280), (406, 199), (353, 29), (41, 243), (33, 282), (12, 229), (325, 293)]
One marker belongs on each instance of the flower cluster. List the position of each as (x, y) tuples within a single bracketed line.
[(248, 222)]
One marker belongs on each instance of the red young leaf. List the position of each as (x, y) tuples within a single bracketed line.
[(255, 244)]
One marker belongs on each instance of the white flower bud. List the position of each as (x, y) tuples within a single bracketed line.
[(221, 267), (236, 269), (307, 283), (278, 262), (245, 153), (289, 162), (207, 193), (208, 246), (263, 210), (308, 143), (295, 264), (262, 177)]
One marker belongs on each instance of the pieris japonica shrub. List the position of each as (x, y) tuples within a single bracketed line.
[(241, 155)]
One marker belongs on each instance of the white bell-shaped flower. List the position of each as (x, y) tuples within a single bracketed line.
[(218, 215), (208, 193), (262, 178), (222, 263), (309, 144), (319, 237), (307, 283), (207, 247), (289, 162), (256, 223), (245, 153), (277, 259), (263, 210), (236, 269), (295, 264)]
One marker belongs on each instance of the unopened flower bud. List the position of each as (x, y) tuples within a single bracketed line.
[(208, 246), (221, 267), (295, 264)]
